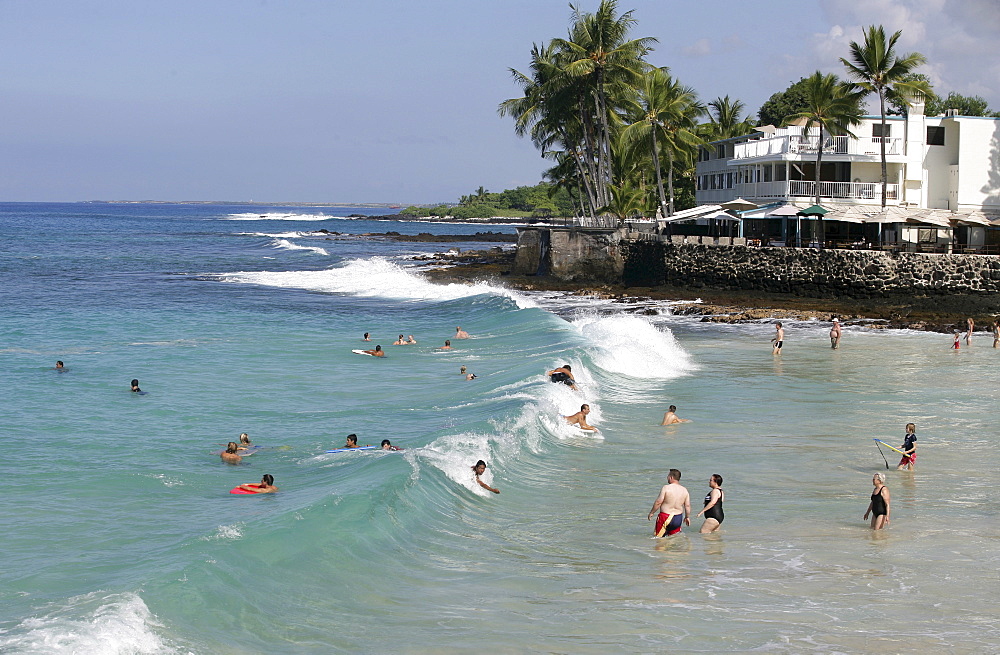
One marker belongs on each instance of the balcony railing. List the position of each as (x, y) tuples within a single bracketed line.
[(861, 192), (808, 145)]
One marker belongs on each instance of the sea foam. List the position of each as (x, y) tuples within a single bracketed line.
[(94, 623), (279, 216), (285, 244), (375, 278)]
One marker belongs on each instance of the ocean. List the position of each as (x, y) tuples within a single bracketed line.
[(120, 534)]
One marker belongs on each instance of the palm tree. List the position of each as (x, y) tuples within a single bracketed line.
[(725, 121), (599, 53), (832, 107), (664, 113), (876, 68), (626, 201)]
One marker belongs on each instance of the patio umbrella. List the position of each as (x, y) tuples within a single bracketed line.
[(784, 210), (816, 211), (739, 204)]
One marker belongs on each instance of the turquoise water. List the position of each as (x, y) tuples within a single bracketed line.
[(120, 535)]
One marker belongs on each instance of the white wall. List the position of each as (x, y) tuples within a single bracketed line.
[(978, 162)]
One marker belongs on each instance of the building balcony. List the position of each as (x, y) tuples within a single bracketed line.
[(795, 146), (859, 193)]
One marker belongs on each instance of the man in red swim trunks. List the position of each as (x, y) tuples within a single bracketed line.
[(674, 505)]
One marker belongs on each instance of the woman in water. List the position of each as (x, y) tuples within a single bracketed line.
[(244, 441), (231, 455), (714, 516), (266, 486), (879, 507), (478, 470), (135, 387)]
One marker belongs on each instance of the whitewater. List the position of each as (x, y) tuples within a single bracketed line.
[(121, 535)]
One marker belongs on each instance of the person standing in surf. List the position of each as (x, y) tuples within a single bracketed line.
[(674, 506), (879, 506), (779, 338), (835, 333), (477, 471), (460, 333), (671, 417), (909, 448), (971, 325), (996, 333), (714, 516)]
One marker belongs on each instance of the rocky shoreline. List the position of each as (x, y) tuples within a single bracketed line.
[(933, 313)]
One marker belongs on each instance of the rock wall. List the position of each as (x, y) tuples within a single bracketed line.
[(817, 273), (570, 254)]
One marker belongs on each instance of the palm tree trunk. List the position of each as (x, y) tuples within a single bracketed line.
[(656, 158), (670, 181), (819, 166), (885, 175)]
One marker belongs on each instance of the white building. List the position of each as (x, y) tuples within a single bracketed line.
[(943, 162), (948, 163)]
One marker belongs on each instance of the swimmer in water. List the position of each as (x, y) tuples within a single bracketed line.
[(446, 346), (378, 352), (352, 441), (477, 471), (135, 387), (400, 341), (779, 339), (60, 367), (460, 333), (387, 445), (580, 419), (230, 455), (410, 341), (366, 337), (266, 486), (835, 333), (470, 376), (244, 441), (461, 371), (563, 374), (671, 417), (674, 505)]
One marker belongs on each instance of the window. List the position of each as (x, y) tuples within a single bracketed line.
[(729, 180), (720, 151), (767, 173), (779, 173), (935, 136), (877, 130), (927, 235)]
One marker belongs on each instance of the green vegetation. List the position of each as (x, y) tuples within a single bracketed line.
[(540, 201)]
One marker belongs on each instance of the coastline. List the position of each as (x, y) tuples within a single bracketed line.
[(943, 314)]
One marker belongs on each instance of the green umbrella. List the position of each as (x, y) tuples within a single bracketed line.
[(815, 210)]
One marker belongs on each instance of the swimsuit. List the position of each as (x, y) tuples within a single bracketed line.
[(908, 442), (878, 504), (777, 344), (667, 524), (562, 377), (716, 511)]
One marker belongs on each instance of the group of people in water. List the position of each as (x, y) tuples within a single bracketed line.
[(836, 332), (409, 341), (970, 326)]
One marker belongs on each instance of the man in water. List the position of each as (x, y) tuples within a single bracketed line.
[(387, 445), (835, 333), (779, 338), (460, 333), (378, 352), (231, 455), (674, 505), (266, 485), (352, 441), (563, 374), (671, 417), (470, 376), (446, 346), (59, 366), (135, 387), (580, 419)]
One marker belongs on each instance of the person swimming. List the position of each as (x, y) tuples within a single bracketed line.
[(135, 387), (59, 366), (244, 441), (378, 352), (366, 337), (387, 445), (580, 419), (231, 455), (460, 333), (563, 374), (352, 441), (266, 485), (477, 471), (410, 340), (447, 345), (400, 341)]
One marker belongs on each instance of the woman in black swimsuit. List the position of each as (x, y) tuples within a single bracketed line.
[(714, 516), (879, 507)]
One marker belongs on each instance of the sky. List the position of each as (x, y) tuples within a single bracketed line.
[(345, 101)]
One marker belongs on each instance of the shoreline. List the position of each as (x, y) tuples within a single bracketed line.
[(942, 314)]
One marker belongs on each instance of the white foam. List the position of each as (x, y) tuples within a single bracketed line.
[(279, 216), (455, 454), (285, 244), (633, 346), (227, 533), (94, 623), (377, 278), (277, 235)]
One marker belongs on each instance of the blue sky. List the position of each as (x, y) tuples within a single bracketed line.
[(344, 101)]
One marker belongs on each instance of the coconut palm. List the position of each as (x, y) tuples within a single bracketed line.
[(599, 53), (664, 115), (832, 107), (626, 201), (725, 121), (876, 68)]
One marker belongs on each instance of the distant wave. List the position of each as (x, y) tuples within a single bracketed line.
[(277, 235), (376, 278), (280, 216), (633, 346), (285, 244)]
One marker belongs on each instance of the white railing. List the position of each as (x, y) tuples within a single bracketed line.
[(808, 145), (846, 190)]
